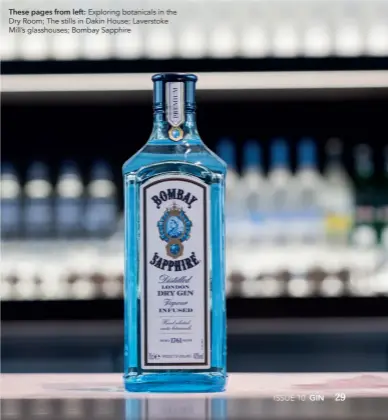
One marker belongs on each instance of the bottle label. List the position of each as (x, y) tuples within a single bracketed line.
[(175, 109), (174, 273)]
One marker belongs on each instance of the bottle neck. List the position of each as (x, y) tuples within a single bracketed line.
[(364, 167), (174, 113)]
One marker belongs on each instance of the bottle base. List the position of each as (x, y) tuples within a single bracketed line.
[(176, 382)]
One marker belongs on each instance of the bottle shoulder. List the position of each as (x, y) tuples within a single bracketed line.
[(194, 154)]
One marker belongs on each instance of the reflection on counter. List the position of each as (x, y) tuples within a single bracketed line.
[(219, 408)]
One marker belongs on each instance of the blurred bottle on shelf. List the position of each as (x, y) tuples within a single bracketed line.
[(285, 41), (38, 202), (271, 286), (236, 279), (34, 48), (307, 192), (192, 42), (234, 208), (112, 285), (317, 40), (254, 193), (383, 202), (377, 39), (83, 288), (11, 276), (332, 286), (333, 283), (338, 196), (7, 267), (52, 280), (365, 232), (344, 276), (255, 41), (298, 286), (11, 202), (65, 46), (27, 288), (116, 241), (280, 192), (159, 43), (348, 39), (315, 277), (101, 213), (69, 201), (283, 277), (222, 41)]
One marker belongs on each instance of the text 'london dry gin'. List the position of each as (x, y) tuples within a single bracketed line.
[(175, 316)]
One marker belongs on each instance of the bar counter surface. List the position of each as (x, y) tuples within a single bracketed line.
[(345, 396), (240, 385)]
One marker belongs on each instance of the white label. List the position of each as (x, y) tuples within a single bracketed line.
[(175, 103), (174, 273)]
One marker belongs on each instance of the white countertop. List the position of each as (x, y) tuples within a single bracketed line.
[(240, 385)]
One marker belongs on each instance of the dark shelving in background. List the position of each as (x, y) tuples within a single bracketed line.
[(53, 133), (237, 308)]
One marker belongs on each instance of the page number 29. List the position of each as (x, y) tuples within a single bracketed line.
[(340, 397)]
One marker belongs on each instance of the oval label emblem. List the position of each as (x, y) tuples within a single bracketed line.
[(174, 228)]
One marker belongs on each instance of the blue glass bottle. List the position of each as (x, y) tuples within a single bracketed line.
[(280, 185), (101, 213), (256, 195), (38, 212), (69, 201), (308, 188), (174, 293), (10, 202)]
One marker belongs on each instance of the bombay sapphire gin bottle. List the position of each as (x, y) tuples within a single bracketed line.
[(175, 318)]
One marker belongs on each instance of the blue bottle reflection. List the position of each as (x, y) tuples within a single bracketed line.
[(184, 407)]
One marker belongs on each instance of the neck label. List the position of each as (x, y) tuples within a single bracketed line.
[(175, 103)]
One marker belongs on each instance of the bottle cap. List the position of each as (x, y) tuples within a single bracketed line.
[(334, 147), (8, 169), (363, 149), (226, 151), (101, 170), (69, 167), (307, 153), (252, 157), (279, 153), (38, 170), (174, 77), (182, 86), (363, 160)]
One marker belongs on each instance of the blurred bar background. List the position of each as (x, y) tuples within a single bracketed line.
[(293, 95)]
